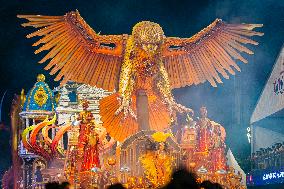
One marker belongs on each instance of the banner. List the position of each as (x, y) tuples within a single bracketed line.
[(272, 97)]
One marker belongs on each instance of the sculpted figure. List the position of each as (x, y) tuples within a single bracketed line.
[(145, 62)]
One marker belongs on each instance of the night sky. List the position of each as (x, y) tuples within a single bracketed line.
[(231, 104)]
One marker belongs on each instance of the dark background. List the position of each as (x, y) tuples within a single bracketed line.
[(231, 104)]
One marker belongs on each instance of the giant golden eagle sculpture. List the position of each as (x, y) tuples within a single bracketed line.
[(146, 60)]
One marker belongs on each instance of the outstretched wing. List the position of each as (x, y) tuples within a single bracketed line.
[(211, 52), (77, 53)]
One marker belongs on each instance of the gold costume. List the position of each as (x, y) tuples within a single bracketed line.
[(158, 165)]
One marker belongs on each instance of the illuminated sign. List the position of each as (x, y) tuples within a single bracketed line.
[(266, 176), (274, 175)]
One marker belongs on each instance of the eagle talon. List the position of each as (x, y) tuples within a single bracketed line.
[(125, 108)]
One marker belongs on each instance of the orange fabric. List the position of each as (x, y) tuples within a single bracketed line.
[(85, 117), (91, 156), (218, 159), (120, 128), (205, 135), (117, 126)]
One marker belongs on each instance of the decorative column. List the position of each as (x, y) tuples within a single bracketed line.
[(28, 172), (142, 110)]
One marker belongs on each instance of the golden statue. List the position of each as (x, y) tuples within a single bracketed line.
[(145, 63), (158, 164)]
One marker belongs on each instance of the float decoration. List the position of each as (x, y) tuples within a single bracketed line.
[(142, 67)]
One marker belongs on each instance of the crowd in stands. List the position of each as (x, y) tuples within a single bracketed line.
[(268, 158)]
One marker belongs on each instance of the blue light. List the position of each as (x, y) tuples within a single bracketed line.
[(274, 175), (266, 176)]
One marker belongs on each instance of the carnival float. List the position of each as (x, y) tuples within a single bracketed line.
[(111, 118)]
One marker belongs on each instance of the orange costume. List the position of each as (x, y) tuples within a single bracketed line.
[(217, 153), (212, 141), (88, 140), (205, 132), (85, 117), (91, 153)]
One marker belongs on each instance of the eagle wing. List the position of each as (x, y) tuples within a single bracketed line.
[(76, 51), (208, 54)]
